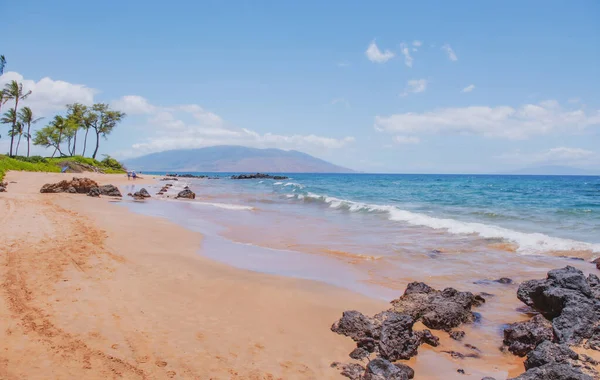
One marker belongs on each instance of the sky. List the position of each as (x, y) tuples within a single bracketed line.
[(382, 86)]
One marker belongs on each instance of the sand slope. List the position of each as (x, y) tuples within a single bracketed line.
[(90, 290)]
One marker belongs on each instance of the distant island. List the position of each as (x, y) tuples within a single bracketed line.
[(227, 158)]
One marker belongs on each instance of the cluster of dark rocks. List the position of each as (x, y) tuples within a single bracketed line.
[(566, 313), (568, 304), (389, 335), (3, 186), (186, 193), (141, 194), (258, 176), (164, 189), (81, 186)]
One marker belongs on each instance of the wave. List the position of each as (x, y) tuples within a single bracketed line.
[(223, 205), (278, 183), (528, 243), (294, 184)]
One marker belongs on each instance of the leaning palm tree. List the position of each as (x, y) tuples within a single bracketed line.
[(60, 125), (14, 91), (26, 118), (9, 117), (19, 132)]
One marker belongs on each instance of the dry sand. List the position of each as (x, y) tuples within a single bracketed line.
[(93, 291)]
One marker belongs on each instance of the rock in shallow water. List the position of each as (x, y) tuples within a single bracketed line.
[(568, 299), (554, 371), (355, 325), (548, 352), (438, 310), (522, 337), (381, 369), (187, 194)]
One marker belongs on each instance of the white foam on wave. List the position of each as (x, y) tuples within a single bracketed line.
[(294, 184), (227, 206), (529, 243), (278, 183)]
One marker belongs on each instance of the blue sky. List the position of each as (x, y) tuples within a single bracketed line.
[(428, 86)]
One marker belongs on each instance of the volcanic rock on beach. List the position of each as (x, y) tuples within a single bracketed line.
[(141, 194), (568, 299), (187, 194), (522, 337), (390, 335), (77, 185), (3, 187), (438, 310), (258, 176)]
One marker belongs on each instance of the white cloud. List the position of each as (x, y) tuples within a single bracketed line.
[(415, 86), (469, 88), (574, 100), (408, 60), (501, 121), (133, 105), (406, 139), (451, 55), (49, 96), (375, 55), (191, 126), (417, 43), (554, 156)]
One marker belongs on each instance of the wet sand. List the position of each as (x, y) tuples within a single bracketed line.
[(92, 290)]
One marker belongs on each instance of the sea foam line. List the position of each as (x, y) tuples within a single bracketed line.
[(529, 243)]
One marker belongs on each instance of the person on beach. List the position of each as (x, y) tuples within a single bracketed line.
[(133, 175), (128, 175)]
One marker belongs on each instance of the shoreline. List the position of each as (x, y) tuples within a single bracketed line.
[(94, 290), (143, 290)]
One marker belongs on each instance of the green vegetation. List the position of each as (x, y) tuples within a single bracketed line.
[(43, 164), (8, 163)]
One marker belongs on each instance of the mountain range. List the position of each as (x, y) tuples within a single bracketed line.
[(226, 158)]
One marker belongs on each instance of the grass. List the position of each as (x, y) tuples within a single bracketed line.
[(7, 163), (42, 164)]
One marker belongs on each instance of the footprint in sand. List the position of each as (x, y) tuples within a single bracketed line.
[(171, 374), (160, 363)]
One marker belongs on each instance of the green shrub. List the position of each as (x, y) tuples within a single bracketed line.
[(7, 163), (111, 163), (32, 159)]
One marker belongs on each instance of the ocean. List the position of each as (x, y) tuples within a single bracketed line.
[(375, 233)]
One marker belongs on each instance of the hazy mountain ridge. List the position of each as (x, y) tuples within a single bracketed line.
[(233, 159)]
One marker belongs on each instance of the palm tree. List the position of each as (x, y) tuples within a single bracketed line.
[(19, 132), (106, 120), (2, 64), (59, 124), (26, 118), (14, 91), (9, 117)]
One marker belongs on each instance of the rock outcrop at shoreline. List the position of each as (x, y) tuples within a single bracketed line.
[(140, 194), (75, 186), (258, 176), (390, 336), (184, 176), (186, 194), (3, 187), (569, 307), (81, 186), (567, 301)]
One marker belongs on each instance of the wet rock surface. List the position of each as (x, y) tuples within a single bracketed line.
[(186, 194), (568, 299), (381, 369), (110, 191), (94, 192), (554, 371), (548, 352), (75, 186), (522, 337), (3, 186), (438, 310), (258, 176)]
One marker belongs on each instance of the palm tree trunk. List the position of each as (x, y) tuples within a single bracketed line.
[(18, 142), (28, 137), (97, 145), (85, 141), (74, 143), (12, 137)]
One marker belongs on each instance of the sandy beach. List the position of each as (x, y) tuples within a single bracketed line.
[(92, 290)]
